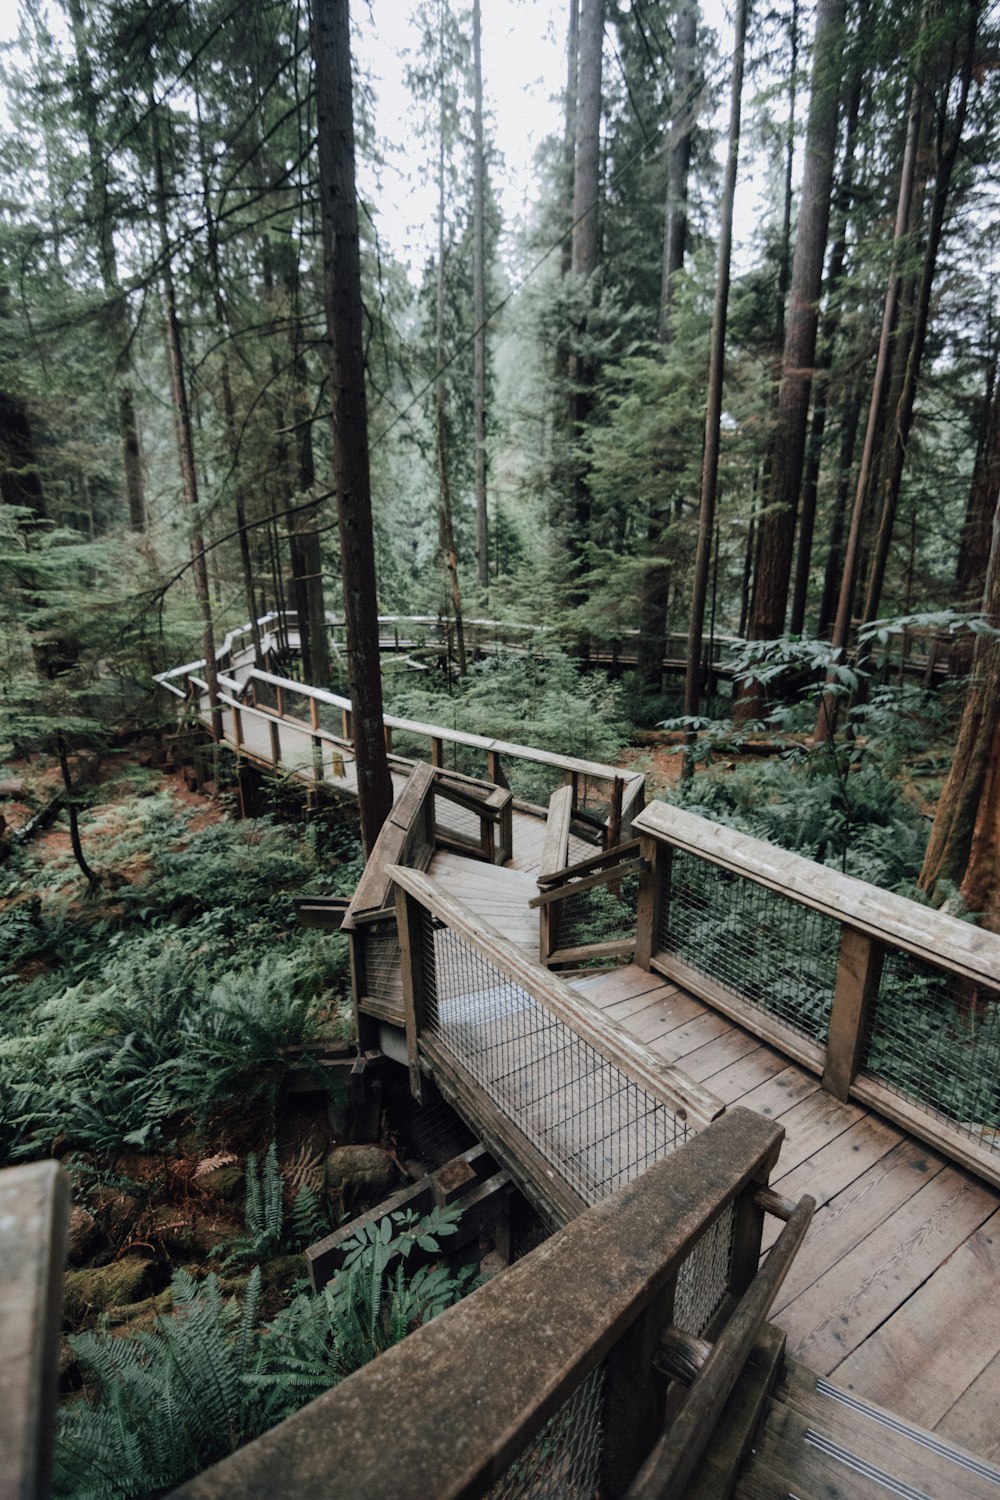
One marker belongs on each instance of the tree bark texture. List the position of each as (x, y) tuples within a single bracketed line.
[(964, 846), (115, 312), (479, 304), (984, 491), (185, 436), (682, 117), (776, 536), (342, 296), (948, 135), (716, 374)]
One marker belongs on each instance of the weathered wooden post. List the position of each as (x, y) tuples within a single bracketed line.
[(859, 969), (417, 963)]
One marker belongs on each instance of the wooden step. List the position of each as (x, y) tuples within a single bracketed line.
[(817, 1440)]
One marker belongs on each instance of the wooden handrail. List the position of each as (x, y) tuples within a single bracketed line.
[(465, 1400), (592, 862), (674, 1459), (563, 891), (34, 1216), (929, 934), (686, 1097)]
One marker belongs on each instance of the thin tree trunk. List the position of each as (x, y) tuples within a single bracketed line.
[(785, 263), (776, 535), (716, 375), (945, 153), (116, 310), (842, 623), (675, 221), (92, 879), (814, 451), (185, 440), (479, 305), (962, 849), (569, 138), (850, 420), (446, 530), (331, 40), (984, 491)]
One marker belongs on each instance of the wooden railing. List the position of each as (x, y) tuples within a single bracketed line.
[(34, 1213), (306, 732), (570, 1103), (892, 1003), (587, 911), (564, 1368)]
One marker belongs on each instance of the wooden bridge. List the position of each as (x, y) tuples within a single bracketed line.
[(598, 987), (672, 1038)]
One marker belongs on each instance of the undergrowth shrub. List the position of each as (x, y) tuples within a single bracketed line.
[(184, 988), (168, 1403)]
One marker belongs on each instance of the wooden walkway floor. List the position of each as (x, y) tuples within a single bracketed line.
[(894, 1294)]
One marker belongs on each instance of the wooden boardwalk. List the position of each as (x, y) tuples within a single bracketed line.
[(894, 1292), (894, 1295)]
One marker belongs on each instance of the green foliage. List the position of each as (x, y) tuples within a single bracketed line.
[(190, 992), (207, 1379), (544, 702)]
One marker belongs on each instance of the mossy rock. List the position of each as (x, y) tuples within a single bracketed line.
[(99, 1288), (353, 1170), (140, 1317)]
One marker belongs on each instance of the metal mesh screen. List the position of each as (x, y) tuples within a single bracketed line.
[(604, 914), (595, 1126), (563, 1462), (593, 795), (532, 781), (382, 964), (703, 1278), (459, 822), (773, 952), (935, 1039)]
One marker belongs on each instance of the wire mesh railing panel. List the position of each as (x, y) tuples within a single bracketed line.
[(775, 953), (564, 1460), (532, 781), (593, 794), (603, 914), (934, 1038), (595, 1126), (295, 751), (381, 962), (703, 1279), (461, 822)]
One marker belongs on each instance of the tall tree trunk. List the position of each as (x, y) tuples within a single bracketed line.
[(946, 150), (584, 261), (446, 530), (776, 535), (785, 261), (974, 545), (964, 846), (682, 117), (654, 587), (331, 39), (716, 375), (850, 420), (814, 451), (116, 312), (569, 136), (479, 304), (182, 424), (842, 623), (226, 384)]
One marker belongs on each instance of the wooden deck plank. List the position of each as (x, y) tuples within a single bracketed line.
[(732, 1084), (930, 1351), (839, 1163), (857, 1212), (718, 1053), (973, 1421), (680, 1040), (663, 1011), (846, 1304), (618, 985), (779, 1093)]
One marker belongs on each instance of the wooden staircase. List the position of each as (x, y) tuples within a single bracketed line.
[(788, 1434)]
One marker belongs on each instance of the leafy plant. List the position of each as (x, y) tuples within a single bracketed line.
[(207, 1379)]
